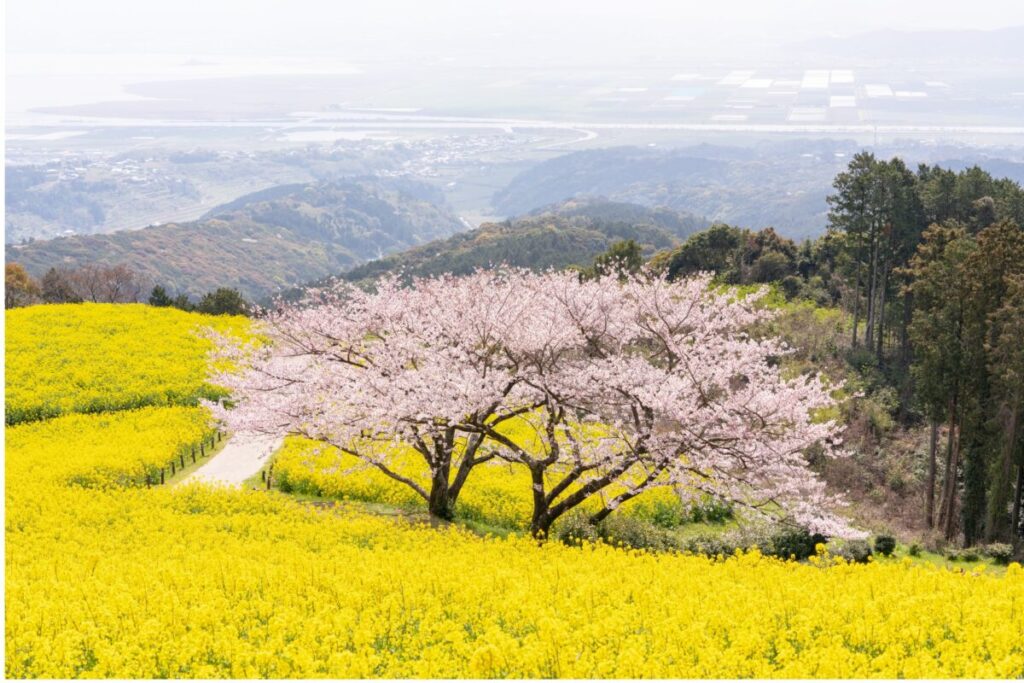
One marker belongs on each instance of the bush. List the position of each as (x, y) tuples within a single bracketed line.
[(666, 514), (885, 545), (796, 543), (574, 529), (635, 533), (711, 546), (1002, 553), (970, 555), (953, 555), (854, 551), (710, 510), (914, 550)]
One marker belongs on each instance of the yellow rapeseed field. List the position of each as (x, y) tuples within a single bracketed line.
[(108, 578), (496, 493), (95, 357)]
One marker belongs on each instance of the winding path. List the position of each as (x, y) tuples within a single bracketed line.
[(242, 457)]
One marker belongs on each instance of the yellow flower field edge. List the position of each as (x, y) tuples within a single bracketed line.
[(83, 358)]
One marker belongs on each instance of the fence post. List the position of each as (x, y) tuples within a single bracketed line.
[(202, 449), (173, 468), (182, 456), (161, 475)]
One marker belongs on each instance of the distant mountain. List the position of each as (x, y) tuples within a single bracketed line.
[(264, 241), (556, 236), (783, 186)]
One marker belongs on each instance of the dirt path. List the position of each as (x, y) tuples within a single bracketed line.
[(242, 457)]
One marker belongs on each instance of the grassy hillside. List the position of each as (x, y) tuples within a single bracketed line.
[(556, 236), (264, 241)]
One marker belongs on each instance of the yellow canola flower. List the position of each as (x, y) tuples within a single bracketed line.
[(99, 357), (200, 583), (100, 450), (106, 578)]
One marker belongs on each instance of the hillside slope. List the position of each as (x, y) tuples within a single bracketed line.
[(265, 241), (556, 236)]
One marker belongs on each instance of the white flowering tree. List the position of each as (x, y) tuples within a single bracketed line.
[(629, 384)]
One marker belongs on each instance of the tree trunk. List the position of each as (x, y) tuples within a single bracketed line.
[(540, 523), (906, 379), (908, 312), (951, 505), (1018, 500), (856, 303), (881, 315), (944, 499), (933, 443), (869, 332), (440, 503)]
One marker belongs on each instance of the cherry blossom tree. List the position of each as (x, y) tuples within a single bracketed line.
[(629, 383)]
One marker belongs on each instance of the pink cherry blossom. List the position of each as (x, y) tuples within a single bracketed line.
[(628, 385)]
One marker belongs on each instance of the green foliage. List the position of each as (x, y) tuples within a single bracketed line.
[(574, 528), (885, 545), (635, 533), (854, 551), (914, 550), (1001, 553), (735, 255), (623, 257), (223, 301), (795, 542), (158, 297), (671, 513), (571, 234)]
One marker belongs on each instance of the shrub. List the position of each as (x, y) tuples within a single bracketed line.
[(885, 545), (914, 550), (712, 510), (574, 529), (284, 485), (1002, 553), (855, 551), (970, 555), (953, 555), (711, 546), (667, 514), (635, 533), (797, 543)]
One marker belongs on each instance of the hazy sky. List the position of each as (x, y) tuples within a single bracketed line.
[(404, 29)]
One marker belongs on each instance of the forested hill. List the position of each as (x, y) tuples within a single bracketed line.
[(557, 236), (265, 241)]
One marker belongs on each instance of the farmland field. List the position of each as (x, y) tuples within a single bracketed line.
[(106, 577)]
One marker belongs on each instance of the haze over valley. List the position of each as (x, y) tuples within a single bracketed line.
[(749, 132)]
